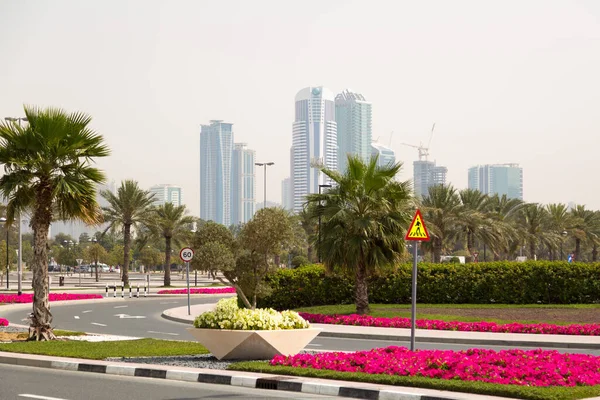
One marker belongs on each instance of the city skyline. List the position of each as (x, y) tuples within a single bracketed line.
[(498, 90)]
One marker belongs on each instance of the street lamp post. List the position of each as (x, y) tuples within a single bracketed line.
[(319, 249), (20, 256), (265, 165), (7, 264), (564, 234)]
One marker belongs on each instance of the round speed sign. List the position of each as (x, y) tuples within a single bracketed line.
[(186, 254)]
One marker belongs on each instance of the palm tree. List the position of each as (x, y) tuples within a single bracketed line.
[(442, 211), (48, 172), (504, 213), (532, 229), (171, 223), (130, 207), (585, 223), (559, 221), (476, 223), (363, 218)]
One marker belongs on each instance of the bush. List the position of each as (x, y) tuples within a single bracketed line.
[(299, 261), (531, 282), (228, 315)]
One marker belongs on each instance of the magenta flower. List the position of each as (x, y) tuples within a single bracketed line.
[(508, 367), (366, 320), (3, 322), (28, 297), (200, 291)]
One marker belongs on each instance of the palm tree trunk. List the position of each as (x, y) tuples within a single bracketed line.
[(437, 250), (167, 280), (277, 260), (126, 246), (309, 253), (532, 249), (41, 318), (361, 291), (577, 248), (595, 253), (96, 270)]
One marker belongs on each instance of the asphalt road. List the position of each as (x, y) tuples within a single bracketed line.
[(142, 318), (23, 383)]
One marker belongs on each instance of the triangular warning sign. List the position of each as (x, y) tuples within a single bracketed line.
[(417, 229)]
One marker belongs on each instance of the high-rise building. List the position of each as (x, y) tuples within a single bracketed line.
[(216, 148), (165, 193), (385, 154), (314, 141), (286, 194), (353, 118), (427, 174), (501, 179), (243, 186)]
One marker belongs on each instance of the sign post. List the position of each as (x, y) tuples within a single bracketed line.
[(417, 232), (186, 254), (79, 261)]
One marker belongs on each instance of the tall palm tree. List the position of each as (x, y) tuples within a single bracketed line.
[(363, 218), (584, 227), (442, 211), (477, 224), (504, 213), (559, 222), (531, 226), (171, 223), (48, 172), (128, 208)]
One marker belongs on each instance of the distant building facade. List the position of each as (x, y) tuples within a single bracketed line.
[(314, 141), (165, 193), (386, 156), (286, 194), (243, 184), (500, 179), (216, 151), (427, 174), (354, 121)]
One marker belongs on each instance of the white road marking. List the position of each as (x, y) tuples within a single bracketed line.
[(97, 324), (121, 306), (317, 345), (125, 316), (164, 333), (76, 316), (169, 302), (35, 396), (86, 311)]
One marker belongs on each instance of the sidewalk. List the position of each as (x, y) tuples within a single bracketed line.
[(180, 314)]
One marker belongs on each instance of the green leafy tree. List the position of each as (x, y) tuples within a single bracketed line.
[(117, 255), (48, 172), (67, 256), (27, 253), (151, 257), (363, 219), (84, 238), (95, 254), (130, 207), (171, 223)]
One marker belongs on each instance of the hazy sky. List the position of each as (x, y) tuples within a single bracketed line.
[(506, 81)]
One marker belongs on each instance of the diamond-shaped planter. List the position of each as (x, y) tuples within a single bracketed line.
[(227, 344)]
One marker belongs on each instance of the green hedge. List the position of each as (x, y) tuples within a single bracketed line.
[(482, 283)]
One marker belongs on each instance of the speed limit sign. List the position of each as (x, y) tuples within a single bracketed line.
[(186, 254)]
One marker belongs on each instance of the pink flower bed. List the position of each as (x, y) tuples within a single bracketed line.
[(3, 322), (28, 298), (509, 367), (200, 291), (366, 320)]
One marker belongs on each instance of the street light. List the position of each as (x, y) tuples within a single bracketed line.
[(265, 165), (564, 234), (7, 269), (319, 250)]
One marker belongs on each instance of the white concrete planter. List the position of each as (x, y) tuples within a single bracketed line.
[(227, 344)]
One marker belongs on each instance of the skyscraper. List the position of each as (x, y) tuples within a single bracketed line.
[(501, 179), (286, 194), (427, 174), (386, 155), (243, 186), (166, 194), (216, 147), (314, 141), (353, 118)]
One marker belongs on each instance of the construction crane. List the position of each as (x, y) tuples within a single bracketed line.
[(423, 150)]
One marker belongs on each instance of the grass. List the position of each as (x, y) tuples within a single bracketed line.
[(403, 311), (102, 350), (490, 389)]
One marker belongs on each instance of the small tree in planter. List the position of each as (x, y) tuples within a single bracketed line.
[(245, 262)]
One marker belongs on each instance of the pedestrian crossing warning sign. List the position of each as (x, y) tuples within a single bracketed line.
[(417, 229)]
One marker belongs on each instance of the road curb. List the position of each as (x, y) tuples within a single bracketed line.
[(236, 378)]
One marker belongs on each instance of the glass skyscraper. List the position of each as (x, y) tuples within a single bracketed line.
[(314, 141), (166, 194), (353, 118), (216, 150), (501, 179), (427, 174), (386, 155), (243, 186)]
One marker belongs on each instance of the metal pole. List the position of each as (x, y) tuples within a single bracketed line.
[(19, 262), (319, 249), (187, 273), (265, 203), (196, 277), (413, 310), (484, 256), (7, 264)]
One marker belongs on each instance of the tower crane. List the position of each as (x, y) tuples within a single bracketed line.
[(423, 150)]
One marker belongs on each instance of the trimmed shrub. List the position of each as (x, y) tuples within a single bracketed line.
[(531, 282)]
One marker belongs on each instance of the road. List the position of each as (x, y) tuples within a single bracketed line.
[(142, 318), (24, 383)]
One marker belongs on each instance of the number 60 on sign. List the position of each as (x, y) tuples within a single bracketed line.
[(186, 254)]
